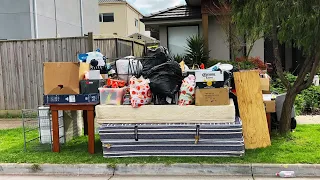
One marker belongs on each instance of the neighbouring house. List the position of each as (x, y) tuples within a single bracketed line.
[(144, 38), (174, 25), (27, 19), (118, 17)]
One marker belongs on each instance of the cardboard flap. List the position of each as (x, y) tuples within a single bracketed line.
[(65, 74), (65, 90)]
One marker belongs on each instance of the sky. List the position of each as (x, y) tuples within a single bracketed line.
[(147, 7)]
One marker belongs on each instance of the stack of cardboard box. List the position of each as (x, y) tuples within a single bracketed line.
[(268, 100), (61, 83), (208, 91)]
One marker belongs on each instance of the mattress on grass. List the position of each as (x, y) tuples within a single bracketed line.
[(165, 114), (172, 139)]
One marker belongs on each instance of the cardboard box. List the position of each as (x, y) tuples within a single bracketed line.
[(212, 97), (209, 79), (63, 77), (265, 84), (66, 99), (270, 106)]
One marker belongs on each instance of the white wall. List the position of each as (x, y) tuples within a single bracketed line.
[(163, 36), (15, 19), (90, 16), (218, 44)]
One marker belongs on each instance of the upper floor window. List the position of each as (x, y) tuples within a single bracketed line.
[(136, 22), (106, 17)]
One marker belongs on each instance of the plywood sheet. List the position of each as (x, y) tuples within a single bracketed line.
[(252, 110), (165, 114)]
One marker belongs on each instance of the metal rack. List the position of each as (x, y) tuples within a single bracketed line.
[(37, 130)]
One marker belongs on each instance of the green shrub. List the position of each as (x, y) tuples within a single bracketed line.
[(299, 104), (307, 100), (178, 58), (195, 51)]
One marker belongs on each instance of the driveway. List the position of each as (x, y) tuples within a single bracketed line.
[(10, 123)]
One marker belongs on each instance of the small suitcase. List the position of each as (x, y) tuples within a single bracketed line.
[(91, 86)]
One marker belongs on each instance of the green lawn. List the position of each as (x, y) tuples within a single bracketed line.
[(302, 146)]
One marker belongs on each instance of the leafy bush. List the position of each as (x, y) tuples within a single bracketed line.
[(307, 100), (196, 52), (242, 63), (178, 58)]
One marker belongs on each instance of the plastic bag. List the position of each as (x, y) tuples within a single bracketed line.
[(140, 92), (165, 79), (155, 58), (128, 67), (187, 91)]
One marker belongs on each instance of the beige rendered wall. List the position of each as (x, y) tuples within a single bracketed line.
[(119, 25), (218, 44), (163, 36), (131, 16)]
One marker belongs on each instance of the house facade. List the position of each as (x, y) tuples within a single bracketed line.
[(27, 19), (118, 17), (174, 25), (146, 39)]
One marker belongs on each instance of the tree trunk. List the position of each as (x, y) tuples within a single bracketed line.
[(285, 120)]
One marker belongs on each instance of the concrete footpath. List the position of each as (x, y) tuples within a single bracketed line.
[(246, 170), (143, 178)]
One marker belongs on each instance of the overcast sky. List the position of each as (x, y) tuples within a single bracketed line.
[(150, 6)]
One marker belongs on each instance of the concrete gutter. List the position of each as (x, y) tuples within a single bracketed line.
[(261, 170)]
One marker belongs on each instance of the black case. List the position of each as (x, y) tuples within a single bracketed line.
[(91, 86)]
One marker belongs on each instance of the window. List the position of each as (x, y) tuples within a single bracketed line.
[(177, 38), (136, 22), (106, 17)]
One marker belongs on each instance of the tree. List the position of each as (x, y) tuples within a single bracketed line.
[(285, 21), (236, 38)]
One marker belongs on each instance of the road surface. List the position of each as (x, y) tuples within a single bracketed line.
[(141, 178)]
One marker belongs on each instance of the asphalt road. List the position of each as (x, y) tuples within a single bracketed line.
[(142, 178)]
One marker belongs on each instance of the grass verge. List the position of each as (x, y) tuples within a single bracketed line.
[(301, 146)]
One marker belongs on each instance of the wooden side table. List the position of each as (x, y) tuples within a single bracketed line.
[(89, 108)]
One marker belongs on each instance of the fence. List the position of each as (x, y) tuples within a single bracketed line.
[(21, 63)]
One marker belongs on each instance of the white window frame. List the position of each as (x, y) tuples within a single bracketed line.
[(101, 17)]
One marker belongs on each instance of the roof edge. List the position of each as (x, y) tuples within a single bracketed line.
[(165, 10)]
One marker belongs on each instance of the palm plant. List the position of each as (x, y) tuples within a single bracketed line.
[(195, 50)]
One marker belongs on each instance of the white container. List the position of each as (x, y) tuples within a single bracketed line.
[(286, 174), (127, 67), (111, 96), (208, 75), (316, 80), (45, 121), (94, 74)]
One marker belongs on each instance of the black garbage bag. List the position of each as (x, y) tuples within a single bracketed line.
[(165, 79), (154, 58)]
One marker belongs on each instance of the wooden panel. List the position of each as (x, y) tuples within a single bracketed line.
[(2, 66), (5, 75), (252, 111), (26, 84), (21, 65), (124, 48), (138, 50), (107, 47)]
